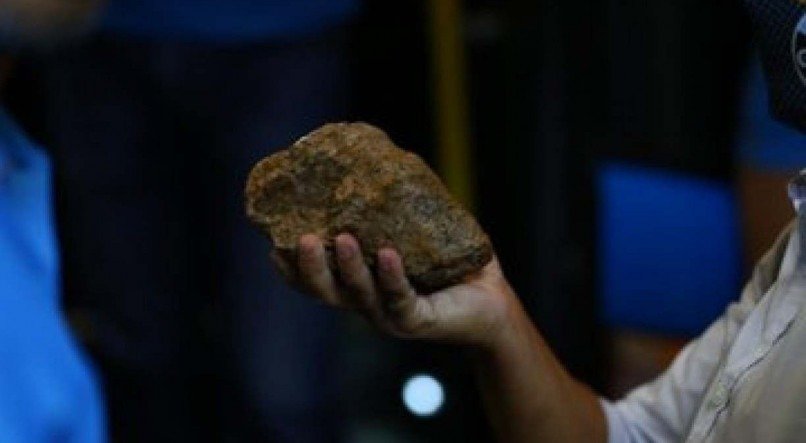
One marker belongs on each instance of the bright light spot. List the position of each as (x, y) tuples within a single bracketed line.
[(423, 395)]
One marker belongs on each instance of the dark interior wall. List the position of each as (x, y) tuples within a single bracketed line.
[(570, 84), (674, 75), (554, 87), (391, 72)]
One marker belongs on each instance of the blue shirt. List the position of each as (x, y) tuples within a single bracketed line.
[(225, 20), (47, 390)]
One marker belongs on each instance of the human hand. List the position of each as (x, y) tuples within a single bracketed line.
[(527, 392), (474, 312)]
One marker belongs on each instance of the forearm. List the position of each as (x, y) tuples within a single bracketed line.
[(528, 394)]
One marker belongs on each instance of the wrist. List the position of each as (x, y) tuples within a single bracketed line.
[(507, 326)]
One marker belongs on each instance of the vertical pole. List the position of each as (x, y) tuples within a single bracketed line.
[(454, 157)]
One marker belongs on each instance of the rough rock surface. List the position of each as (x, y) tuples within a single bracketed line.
[(350, 177)]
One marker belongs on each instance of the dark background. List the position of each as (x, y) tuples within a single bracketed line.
[(554, 87)]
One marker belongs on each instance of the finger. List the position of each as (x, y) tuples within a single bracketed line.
[(287, 268), (392, 276), (401, 302), (357, 279), (352, 268), (314, 273)]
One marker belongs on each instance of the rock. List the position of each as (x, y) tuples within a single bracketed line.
[(350, 177)]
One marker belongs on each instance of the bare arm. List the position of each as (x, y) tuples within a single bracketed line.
[(528, 395)]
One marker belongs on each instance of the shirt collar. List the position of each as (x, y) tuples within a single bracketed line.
[(797, 251), (797, 191)]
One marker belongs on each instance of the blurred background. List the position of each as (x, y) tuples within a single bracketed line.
[(619, 154)]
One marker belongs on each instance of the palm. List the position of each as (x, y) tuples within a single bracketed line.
[(467, 311), (470, 312)]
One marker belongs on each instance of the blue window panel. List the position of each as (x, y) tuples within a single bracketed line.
[(668, 249)]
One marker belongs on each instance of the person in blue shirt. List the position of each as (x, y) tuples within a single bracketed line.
[(156, 119), (48, 389)]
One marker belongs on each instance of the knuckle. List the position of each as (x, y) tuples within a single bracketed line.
[(366, 299), (349, 278), (353, 267), (309, 255), (317, 286), (408, 323), (308, 270), (311, 264), (390, 285), (356, 279)]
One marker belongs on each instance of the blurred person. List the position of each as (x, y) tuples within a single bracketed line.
[(155, 122), (48, 391), (742, 380), (769, 154)]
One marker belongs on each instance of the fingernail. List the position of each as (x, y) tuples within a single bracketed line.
[(307, 251), (385, 262), (345, 251)]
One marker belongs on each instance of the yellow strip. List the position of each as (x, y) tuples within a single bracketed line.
[(453, 140)]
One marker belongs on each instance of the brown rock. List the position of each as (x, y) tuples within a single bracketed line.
[(350, 177)]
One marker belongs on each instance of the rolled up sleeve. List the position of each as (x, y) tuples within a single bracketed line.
[(663, 409)]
